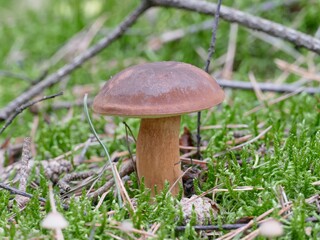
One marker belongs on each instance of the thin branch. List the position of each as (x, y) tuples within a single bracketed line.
[(75, 63), (274, 101), (131, 133), (213, 38), (129, 149), (211, 51), (247, 20), (245, 143), (20, 109), (285, 66), (125, 169), (227, 226), (21, 193), (213, 227), (24, 171), (256, 88), (265, 87), (227, 70)]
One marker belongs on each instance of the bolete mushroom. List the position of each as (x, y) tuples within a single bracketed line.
[(158, 93)]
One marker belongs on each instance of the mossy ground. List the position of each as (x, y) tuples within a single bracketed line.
[(30, 36)]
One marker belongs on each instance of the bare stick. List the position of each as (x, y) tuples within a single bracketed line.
[(210, 54), (213, 38), (64, 183), (256, 88), (125, 169), (177, 181), (285, 66), (265, 87), (227, 70), (274, 101), (124, 193), (244, 144), (226, 226), (129, 149), (75, 63), (213, 227), (18, 192), (256, 23), (24, 171), (20, 109)]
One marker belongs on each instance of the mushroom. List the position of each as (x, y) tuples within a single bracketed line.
[(158, 93)]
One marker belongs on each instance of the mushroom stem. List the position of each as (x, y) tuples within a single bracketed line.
[(158, 152)]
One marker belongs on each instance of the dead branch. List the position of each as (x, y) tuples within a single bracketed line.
[(212, 227), (266, 87), (53, 169), (237, 147), (24, 171), (285, 66), (227, 226), (24, 106), (64, 182), (126, 169), (247, 20), (211, 51), (18, 192), (75, 63)]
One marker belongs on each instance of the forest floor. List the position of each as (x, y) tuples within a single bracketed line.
[(261, 150)]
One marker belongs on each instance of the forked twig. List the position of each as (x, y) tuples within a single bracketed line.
[(24, 106), (21, 193)]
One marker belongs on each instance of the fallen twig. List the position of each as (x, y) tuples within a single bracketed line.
[(285, 66), (24, 106), (247, 20), (212, 227), (125, 169), (21, 193), (75, 63), (274, 101), (226, 226), (244, 144), (234, 233), (24, 171), (265, 87), (211, 51), (64, 182), (256, 88), (227, 70), (123, 191)]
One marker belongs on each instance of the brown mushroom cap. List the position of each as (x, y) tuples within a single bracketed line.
[(158, 89)]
